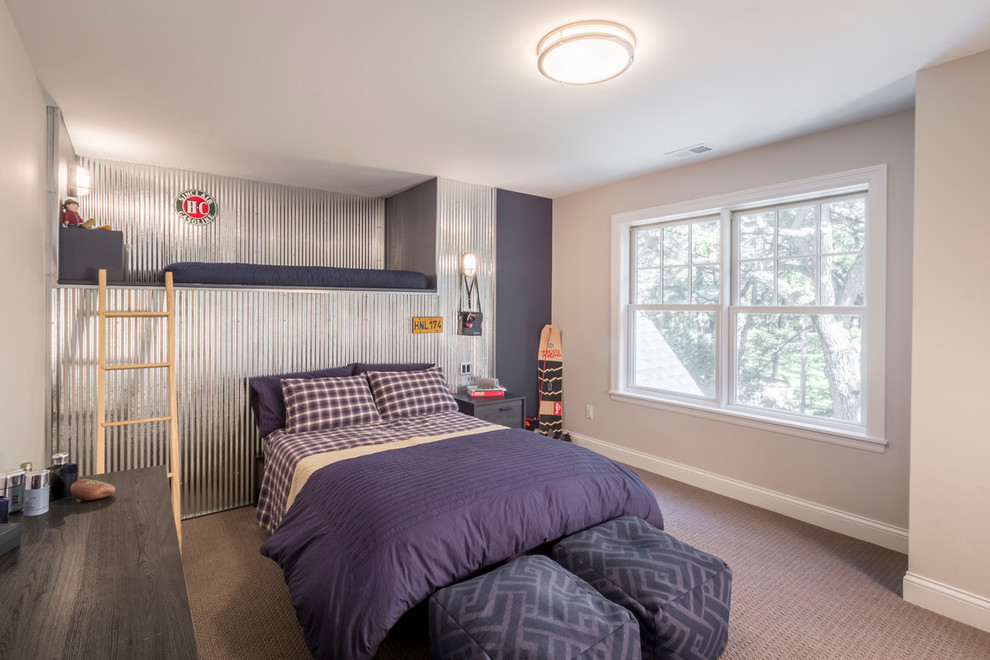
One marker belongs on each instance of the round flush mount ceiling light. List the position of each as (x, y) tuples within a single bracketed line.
[(586, 52)]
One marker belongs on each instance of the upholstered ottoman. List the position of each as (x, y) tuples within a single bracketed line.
[(529, 609), (679, 595)]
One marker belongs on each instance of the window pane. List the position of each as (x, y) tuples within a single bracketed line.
[(756, 282), (843, 280), (796, 231), (796, 281), (705, 285), (648, 286), (675, 351), (675, 245), (756, 235), (844, 226), (705, 240), (648, 248), (801, 363), (675, 285)]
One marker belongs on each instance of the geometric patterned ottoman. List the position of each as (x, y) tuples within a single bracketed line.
[(679, 595), (529, 608)]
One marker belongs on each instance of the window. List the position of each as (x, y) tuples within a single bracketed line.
[(766, 306), (677, 276)]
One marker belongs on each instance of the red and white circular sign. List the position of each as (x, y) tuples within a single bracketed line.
[(197, 207)]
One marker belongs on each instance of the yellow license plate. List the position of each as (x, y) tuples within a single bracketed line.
[(423, 324)]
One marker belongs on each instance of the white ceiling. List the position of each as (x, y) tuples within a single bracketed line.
[(369, 97)]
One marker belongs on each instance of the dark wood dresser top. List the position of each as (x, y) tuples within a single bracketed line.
[(99, 579)]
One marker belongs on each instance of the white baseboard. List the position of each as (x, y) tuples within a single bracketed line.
[(948, 601), (843, 522)]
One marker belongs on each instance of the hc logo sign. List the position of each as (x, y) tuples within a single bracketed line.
[(196, 207)]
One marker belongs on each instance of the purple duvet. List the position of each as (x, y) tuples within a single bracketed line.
[(369, 537)]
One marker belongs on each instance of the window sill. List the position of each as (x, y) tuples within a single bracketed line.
[(810, 432)]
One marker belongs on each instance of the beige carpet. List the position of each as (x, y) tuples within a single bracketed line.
[(798, 592)]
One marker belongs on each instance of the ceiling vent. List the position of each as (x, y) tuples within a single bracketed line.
[(688, 152)]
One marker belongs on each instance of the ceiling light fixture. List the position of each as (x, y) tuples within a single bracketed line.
[(586, 52)]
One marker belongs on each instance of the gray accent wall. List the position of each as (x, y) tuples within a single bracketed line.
[(411, 230), (524, 259)]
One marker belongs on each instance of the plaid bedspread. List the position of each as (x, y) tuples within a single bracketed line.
[(284, 450)]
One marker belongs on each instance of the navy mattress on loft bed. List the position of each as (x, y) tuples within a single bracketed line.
[(236, 274)]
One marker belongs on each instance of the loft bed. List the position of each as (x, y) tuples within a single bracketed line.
[(201, 273)]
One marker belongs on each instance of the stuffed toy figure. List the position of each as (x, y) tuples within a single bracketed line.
[(71, 217), (70, 214)]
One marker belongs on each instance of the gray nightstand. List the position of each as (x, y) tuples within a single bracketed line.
[(507, 410)]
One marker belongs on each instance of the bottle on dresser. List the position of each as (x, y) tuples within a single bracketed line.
[(63, 474), (36, 497), (12, 487)]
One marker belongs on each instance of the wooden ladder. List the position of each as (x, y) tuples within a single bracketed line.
[(101, 382)]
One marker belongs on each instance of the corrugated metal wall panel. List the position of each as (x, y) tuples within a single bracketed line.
[(135, 394), (225, 336), (467, 224), (261, 223)]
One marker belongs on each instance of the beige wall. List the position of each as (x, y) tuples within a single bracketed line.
[(870, 485), (950, 439), (22, 265)]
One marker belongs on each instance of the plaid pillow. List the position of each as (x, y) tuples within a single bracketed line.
[(268, 402), (316, 404), (409, 393)]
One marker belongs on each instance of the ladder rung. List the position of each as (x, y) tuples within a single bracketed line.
[(149, 365), (136, 421), (135, 315)]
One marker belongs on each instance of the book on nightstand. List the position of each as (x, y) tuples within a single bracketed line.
[(480, 392)]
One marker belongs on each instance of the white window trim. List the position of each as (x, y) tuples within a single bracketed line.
[(874, 181)]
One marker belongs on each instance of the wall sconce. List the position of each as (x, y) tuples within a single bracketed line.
[(469, 265), (82, 181), (470, 319)]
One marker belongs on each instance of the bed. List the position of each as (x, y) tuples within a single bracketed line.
[(314, 277), (379, 493)]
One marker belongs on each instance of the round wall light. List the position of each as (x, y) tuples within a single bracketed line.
[(586, 52), (83, 181)]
